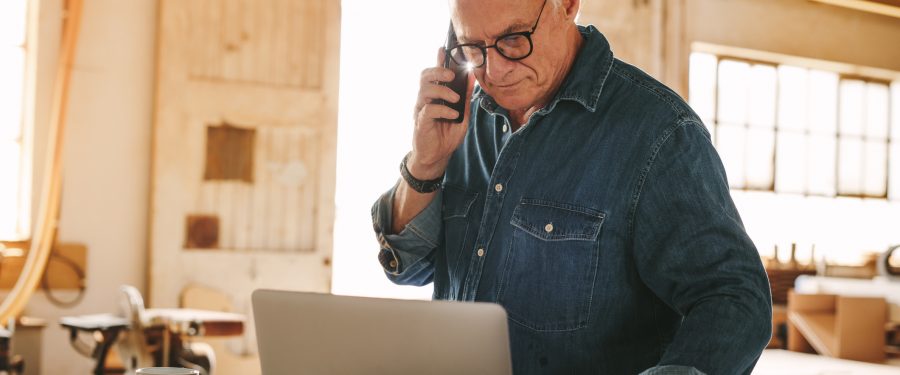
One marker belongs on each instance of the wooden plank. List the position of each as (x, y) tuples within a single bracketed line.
[(295, 53), (218, 39), (860, 325), (279, 56), (273, 202), (295, 177), (254, 104), (310, 205), (272, 42), (782, 362), (317, 55), (230, 48), (257, 206), (818, 329), (884, 7), (66, 266), (241, 218), (267, 42), (198, 37), (246, 27)]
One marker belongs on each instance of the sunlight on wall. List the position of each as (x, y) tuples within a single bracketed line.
[(12, 74), (843, 230), (384, 47)]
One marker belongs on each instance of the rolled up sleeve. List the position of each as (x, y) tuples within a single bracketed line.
[(408, 257)]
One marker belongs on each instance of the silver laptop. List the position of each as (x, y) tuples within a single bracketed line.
[(310, 333)]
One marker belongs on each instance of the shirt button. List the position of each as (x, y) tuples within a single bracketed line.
[(548, 228), (393, 264), (481, 252), (505, 128), (498, 187)]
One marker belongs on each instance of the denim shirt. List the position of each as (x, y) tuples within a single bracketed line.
[(604, 226)]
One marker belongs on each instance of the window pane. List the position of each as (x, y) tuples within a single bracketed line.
[(850, 163), (895, 112), (733, 90), (822, 154), (851, 107), (894, 185), (823, 102), (792, 97), (790, 159), (762, 96), (760, 158), (876, 169), (894, 174), (877, 102), (12, 22), (12, 61), (9, 197), (703, 85), (731, 146), (711, 126)]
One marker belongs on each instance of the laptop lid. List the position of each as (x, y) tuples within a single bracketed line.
[(311, 333)]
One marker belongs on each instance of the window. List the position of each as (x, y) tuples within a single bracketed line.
[(375, 131), (792, 129), (14, 184)]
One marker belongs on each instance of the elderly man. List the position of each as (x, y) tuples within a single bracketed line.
[(580, 194)]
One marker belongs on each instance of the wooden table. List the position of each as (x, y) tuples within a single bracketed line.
[(783, 362)]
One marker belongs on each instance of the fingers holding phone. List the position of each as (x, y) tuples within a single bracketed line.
[(441, 116)]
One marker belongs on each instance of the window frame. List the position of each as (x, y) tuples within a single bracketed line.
[(807, 133)]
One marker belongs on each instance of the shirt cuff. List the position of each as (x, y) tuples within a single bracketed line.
[(418, 238)]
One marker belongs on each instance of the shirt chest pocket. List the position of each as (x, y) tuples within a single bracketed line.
[(551, 265)]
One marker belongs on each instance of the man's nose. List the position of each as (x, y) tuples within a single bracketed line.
[(496, 66)]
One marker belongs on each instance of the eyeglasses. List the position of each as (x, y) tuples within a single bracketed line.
[(512, 46)]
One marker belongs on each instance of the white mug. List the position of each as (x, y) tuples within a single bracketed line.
[(166, 371)]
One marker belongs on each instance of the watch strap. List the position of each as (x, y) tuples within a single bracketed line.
[(421, 186)]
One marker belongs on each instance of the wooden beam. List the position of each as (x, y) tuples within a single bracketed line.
[(884, 7)]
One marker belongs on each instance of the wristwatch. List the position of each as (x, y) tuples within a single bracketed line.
[(421, 186)]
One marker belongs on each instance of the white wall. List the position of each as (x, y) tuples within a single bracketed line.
[(375, 123), (106, 157)]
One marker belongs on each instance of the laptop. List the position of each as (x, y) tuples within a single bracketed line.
[(311, 333)]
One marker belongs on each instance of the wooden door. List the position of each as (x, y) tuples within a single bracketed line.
[(244, 147)]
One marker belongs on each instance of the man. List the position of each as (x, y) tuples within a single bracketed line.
[(580, 194)]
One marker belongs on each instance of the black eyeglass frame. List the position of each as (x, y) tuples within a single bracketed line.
[(526, 34)]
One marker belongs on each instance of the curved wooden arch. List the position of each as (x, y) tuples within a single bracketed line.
[(44, 235)]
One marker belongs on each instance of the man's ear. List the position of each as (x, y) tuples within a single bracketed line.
[(571, 8)]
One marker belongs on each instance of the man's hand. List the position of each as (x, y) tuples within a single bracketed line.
[(434, 140), (435, 137)]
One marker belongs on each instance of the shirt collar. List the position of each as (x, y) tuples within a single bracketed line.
[(585, 80)]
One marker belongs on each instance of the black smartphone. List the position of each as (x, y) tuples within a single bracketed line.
[(460, 80)]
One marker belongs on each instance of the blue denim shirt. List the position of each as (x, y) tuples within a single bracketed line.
[(604, 226)]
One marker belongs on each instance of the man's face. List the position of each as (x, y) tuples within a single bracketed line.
[(515, 85)]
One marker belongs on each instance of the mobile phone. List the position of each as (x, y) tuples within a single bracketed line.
[(461, 78)]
